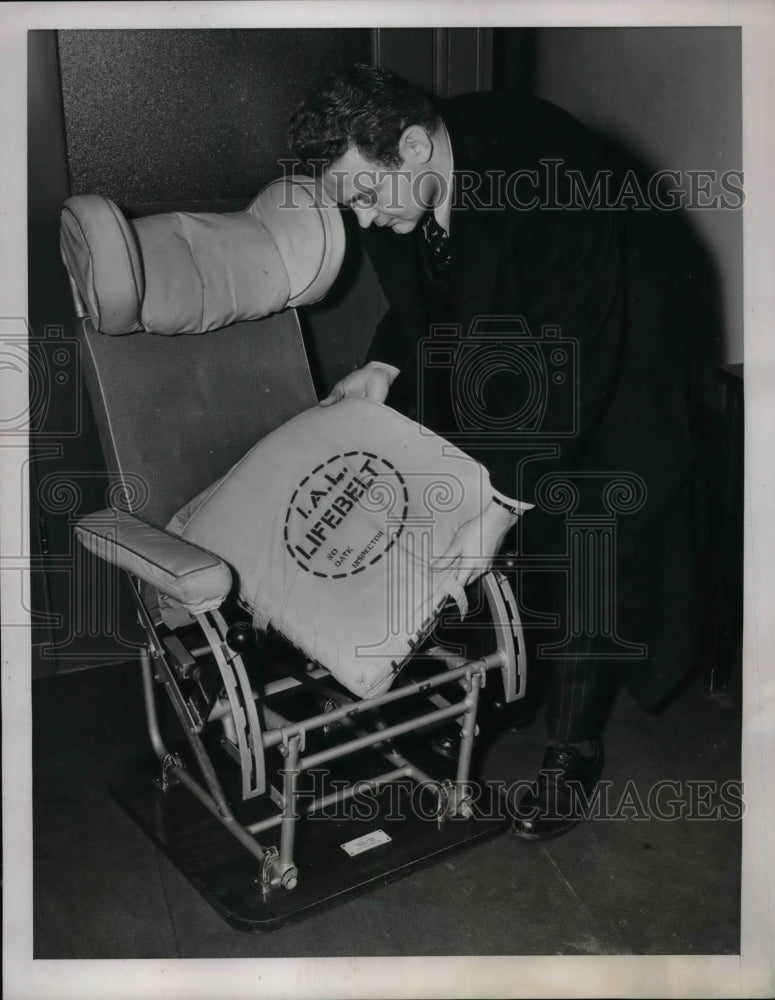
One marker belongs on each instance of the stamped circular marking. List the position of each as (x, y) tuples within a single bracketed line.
[(346, 514)]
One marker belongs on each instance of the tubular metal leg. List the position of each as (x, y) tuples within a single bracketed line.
[(469, 730), (283, 871), (150, 705), (290, 786), (215, 802)]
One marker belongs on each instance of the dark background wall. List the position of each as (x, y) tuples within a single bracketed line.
[(669, 99), (659, 99), (188, 116)]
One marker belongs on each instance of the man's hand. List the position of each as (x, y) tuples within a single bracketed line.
[(475, 544), (371, 382)]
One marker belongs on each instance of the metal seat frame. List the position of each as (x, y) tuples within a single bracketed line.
[(242, 708)]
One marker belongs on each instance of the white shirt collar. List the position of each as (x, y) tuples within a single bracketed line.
[(442, 211)]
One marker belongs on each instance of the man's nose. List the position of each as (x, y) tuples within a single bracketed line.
[(365, 216)]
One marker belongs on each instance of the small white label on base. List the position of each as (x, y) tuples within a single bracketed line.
[(366, 842)]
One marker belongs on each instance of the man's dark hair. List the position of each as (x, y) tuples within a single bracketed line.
[(362, 106)]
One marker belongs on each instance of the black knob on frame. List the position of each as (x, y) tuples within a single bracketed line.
[(241, 637)]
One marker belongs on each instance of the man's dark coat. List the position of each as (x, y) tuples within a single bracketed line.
[(565, 268)]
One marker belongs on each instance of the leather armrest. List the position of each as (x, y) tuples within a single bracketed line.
[(191, 575)]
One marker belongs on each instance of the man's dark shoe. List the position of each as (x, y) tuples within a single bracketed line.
[(558, 799)]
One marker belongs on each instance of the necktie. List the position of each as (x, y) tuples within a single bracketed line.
[(437, 242)]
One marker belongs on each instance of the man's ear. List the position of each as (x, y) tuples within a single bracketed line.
[(415, 143)]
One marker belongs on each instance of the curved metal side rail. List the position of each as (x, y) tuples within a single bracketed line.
[(215, 797), (242, 704), (212, 796), (508, 633)]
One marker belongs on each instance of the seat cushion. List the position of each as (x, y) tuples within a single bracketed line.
[(331, 524)]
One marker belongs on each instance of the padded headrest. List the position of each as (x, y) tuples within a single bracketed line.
[(309, 236), (186, 272)]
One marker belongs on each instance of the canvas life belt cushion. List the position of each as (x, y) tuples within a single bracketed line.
[(331, 523)]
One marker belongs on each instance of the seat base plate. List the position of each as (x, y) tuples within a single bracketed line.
[(229, 878)]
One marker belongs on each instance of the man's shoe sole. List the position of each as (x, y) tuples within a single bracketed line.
[(544, 836)]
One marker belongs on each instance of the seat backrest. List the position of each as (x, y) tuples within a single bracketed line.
[(175, 413), (176, 406)]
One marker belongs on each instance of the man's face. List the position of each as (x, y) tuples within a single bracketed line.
[(396, 197)]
